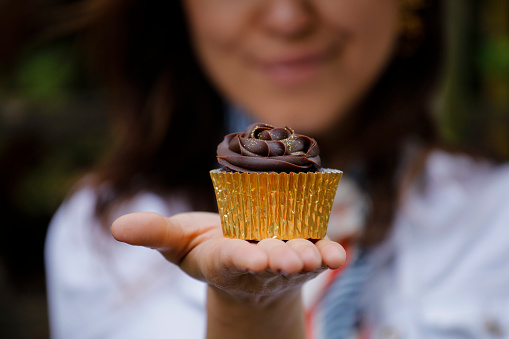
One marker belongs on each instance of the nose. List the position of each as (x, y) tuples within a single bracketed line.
[(288, 18)]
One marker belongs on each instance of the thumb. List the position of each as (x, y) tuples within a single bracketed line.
[(174, 237)]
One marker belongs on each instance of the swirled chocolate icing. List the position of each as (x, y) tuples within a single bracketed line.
[(264, 148)]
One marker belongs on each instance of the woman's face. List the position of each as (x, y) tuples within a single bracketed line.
[(301, 63)]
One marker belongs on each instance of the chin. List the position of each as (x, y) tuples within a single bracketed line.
[(304, 118)]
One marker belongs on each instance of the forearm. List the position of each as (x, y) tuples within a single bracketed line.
[(281, 317)]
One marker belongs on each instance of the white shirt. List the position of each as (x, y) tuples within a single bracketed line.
[(443, 272), (100, 288)]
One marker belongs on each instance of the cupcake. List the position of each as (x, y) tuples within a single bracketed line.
[(272, 185)]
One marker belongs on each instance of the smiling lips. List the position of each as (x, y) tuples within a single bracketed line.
[(295, 68)]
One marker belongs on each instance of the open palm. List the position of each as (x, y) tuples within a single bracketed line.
[(194, 241)]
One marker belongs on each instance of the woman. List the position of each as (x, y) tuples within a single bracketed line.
[(358, 76)]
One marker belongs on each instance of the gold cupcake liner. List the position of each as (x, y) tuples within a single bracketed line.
[(255, 206)]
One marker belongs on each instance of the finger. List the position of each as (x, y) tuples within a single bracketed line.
[(281, 257), (308, 253), (174, 237), (140, 229), (333, 254), (241, 256)]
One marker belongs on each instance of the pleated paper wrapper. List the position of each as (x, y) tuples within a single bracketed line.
[(255, 206)]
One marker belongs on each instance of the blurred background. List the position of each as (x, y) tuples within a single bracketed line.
[(53, 129)]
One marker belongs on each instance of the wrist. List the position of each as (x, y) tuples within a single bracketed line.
[(269, 316)]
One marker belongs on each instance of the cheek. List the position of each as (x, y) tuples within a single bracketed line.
[(215, 32), (373, 25), (218, 32)]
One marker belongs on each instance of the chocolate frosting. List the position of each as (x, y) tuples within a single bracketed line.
[(264, 148)]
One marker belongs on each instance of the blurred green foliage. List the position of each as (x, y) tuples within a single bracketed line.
[(474, 109), (52, 124), (45, 77), (494, 57)]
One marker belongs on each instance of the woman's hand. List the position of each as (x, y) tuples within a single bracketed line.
[(244, 277), (194, 241)]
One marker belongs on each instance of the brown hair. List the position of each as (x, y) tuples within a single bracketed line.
[(396, 111), (168, 118)]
